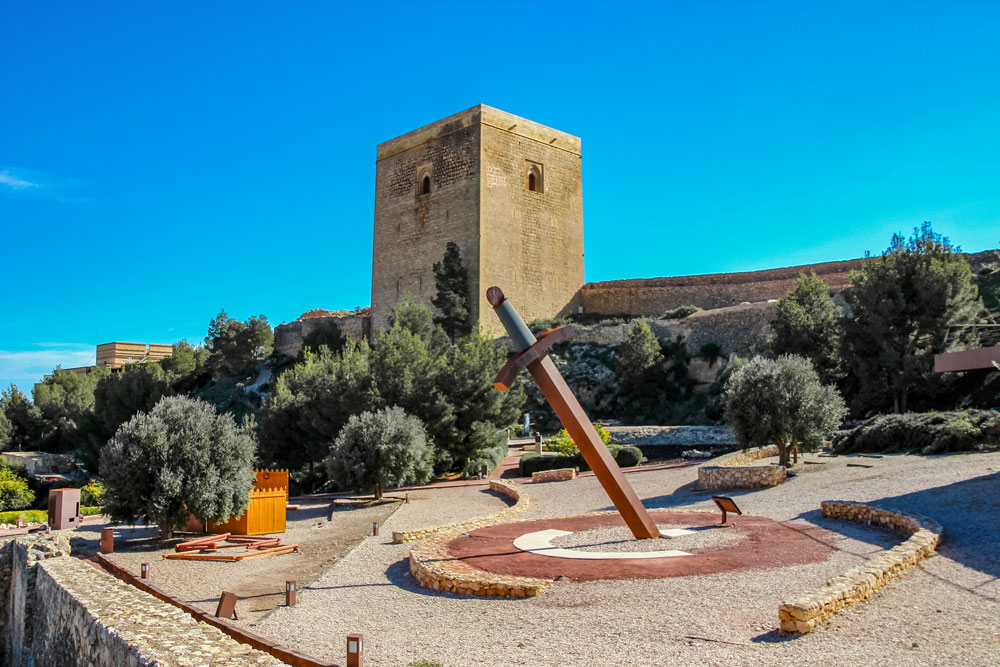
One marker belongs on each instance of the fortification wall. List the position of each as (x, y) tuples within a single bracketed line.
[(651, 297), (743, 329), (288, 338)]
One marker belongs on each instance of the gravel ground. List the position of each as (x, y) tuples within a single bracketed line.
[(945, 611), (619, 539), (325, 529)]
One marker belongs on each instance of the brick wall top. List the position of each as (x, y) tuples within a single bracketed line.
[(485, 115), (784, 273)]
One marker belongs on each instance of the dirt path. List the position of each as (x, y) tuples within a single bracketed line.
[(324, 531)]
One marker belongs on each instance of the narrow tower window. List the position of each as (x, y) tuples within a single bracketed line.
[(535, 183), (425, 185)]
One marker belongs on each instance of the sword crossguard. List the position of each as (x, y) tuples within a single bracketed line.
[(505, 378)]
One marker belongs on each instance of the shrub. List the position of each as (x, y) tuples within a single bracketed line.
[(924, 432), (379, 449), (27, 516), (532, 462), (680, 312), (179, 459), (562, 443), (781, 401), (14, 491), (92, 494)]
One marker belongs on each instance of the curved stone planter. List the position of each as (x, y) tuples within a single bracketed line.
[(733, 471), (804, 613), (434, 568), (522, 502)]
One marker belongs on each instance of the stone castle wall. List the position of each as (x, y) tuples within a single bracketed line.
[(288, 338), (651, 297), (59, 610), (531, 243), (412, 229)]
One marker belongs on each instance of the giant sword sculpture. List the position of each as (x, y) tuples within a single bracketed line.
[(532, 355)]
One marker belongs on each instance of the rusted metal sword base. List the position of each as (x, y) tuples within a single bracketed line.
[(597, 456), (569, 412)]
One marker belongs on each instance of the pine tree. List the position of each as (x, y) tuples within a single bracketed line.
[(902, 304), (807, 324), (451, 279)]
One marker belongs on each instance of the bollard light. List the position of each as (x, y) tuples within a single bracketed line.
[(355, 650), (290, 592), (107, 541), (375, 528), (407, 499), (144, 568)]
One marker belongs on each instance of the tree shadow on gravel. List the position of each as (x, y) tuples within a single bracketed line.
[(969, 512), (689, 494)]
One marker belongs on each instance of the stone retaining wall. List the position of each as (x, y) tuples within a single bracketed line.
[(59, 610), (554, 475), (804, 613), (434, 568), (522, 502), (733, 471)]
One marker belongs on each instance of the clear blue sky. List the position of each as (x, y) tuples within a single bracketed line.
[(161, 161)]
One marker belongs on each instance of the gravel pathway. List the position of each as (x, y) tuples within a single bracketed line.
[(945, 611)]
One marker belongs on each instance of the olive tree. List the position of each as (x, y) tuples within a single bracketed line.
[(379, 449), (180, 458), (781, 401)]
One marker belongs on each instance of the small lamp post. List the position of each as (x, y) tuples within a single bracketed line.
[(355, 650), (144, 569), (107, 541), (290, 592), (375, 528)]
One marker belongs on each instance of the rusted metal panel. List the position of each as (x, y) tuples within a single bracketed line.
[(967, 360)]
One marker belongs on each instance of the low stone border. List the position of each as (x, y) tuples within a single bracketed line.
[(733, 472), (434, 568), (554, 475), (522, 502), (285, 655), (804, 613)]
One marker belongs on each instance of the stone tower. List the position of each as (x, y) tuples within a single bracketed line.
[(505, 189)]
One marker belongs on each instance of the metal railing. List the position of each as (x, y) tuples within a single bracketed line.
[(972, 334)]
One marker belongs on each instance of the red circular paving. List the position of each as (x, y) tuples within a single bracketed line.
[(767, 544)]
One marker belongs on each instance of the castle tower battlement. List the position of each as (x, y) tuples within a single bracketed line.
[(507, 190)]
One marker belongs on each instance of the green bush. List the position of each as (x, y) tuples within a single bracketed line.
[(562, 443), (92, 493), (27, 516), (41, 516), (14, 491), (680, 312), (532, 462), (923, 432)]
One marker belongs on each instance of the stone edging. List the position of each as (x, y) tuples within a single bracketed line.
[(285, 655), (732, 472), (554, 475), (804, 613), (522, 502), (434, 567)]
